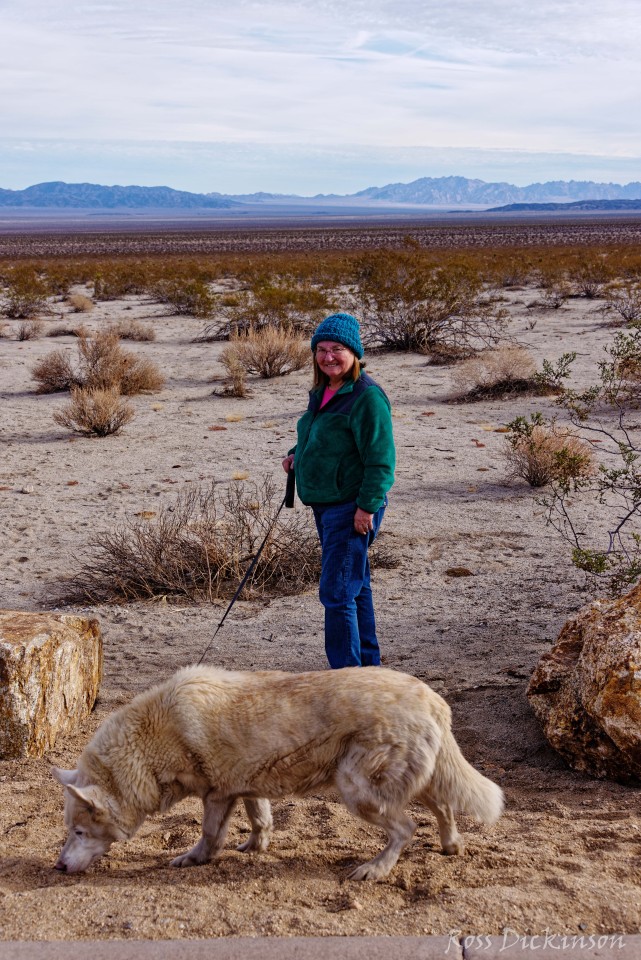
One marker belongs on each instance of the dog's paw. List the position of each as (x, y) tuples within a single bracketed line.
[(189, 859), (454, 849), (369, 871), (256, 843)]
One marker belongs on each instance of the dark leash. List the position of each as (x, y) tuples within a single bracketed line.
[(288, 501)]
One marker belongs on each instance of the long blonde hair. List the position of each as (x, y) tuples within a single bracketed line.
[(321, 379)]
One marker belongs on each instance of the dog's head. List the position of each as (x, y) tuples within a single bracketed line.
[(90, 823)]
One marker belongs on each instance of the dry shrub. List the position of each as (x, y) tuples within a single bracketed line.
[(30, 330), (140, 376), (55, 373), (80, 303), (200, 548), (102, 365), (4, 329), (102, 361), (97, 413), (510, 274), (185, 295), (105, 365), (541, 453), (625, 300), (64, 331), (495, 373), (590, 275), (235, 384), (267, 352), (555, 288), (133, 330), (446, 355)]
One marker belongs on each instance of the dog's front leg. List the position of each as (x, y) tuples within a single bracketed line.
[(216, 816), (259, 812)]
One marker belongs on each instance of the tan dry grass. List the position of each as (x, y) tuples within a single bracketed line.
[(30, 330), (62, 330), (102, 365), (267, 352), (235, 384), (549, 453), (98, 413), (80, 303), (133, 330), (55, 372), (497, 372), (624, 299)]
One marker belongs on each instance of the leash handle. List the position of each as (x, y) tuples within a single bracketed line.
[(290, 492)]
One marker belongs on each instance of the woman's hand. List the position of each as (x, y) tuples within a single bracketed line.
[(363, 521), (288, 463)]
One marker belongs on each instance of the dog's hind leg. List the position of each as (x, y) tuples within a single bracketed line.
[(367, 803), (259, 812), (451, 840), (216, 816)]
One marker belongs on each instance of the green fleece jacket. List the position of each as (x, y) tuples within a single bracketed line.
[(345, 450)]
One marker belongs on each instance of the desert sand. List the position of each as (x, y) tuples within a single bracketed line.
[(565, 857)]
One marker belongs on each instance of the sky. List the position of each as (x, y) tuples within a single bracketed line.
[(318, 96)]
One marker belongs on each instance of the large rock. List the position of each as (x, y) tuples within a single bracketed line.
[(586, 691), (50, 672)]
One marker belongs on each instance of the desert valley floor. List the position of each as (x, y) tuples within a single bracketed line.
[(566, 855)]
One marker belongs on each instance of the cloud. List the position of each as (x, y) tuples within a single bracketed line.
[(381, 74)]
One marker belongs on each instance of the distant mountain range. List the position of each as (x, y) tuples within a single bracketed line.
[(460, 190), (427, 191), (94, 196), (576, 205)]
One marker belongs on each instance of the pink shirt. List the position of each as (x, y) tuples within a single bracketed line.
[(328, 394)]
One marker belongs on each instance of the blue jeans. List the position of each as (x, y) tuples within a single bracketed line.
[(345, 592)]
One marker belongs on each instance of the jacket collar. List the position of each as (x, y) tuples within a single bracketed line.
[(317, 395)]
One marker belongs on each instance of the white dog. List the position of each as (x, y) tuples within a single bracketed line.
[(378, 737)]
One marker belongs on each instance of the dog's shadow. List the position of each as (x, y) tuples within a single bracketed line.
[(23, 874)]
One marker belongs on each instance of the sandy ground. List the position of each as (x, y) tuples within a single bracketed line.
[(566, 856)]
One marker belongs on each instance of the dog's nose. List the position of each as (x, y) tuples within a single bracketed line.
[(60, 865)]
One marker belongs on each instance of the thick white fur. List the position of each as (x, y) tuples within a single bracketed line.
[(379, 737)]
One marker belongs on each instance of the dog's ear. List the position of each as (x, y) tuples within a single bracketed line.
[(65, 777), (88, 797)]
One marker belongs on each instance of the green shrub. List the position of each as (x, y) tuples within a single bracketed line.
[(410, 304), (27, 293), (186, 296)]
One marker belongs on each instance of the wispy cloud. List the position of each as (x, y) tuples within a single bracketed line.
[(545, 77)]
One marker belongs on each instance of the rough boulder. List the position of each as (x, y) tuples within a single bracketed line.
[(50, 672), (586, 691)]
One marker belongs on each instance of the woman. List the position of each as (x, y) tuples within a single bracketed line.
[(344, 462)]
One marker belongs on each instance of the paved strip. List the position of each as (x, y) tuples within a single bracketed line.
[(240, 948), (511, 945), (560, 945)]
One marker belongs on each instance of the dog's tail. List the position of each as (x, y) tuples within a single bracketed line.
[(458, 785)]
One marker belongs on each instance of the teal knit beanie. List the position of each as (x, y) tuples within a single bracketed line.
[(341, 328)]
